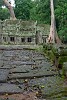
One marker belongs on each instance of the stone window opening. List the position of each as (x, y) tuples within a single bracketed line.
[(29, 39), (12, 39), (22, 39), (4, 38)]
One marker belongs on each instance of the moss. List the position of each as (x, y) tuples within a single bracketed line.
[(62, 59), (40, 49), (64, 70), (56, 54), (47, 46)]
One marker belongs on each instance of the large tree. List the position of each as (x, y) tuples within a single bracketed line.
[(10, 8), (53, 37)]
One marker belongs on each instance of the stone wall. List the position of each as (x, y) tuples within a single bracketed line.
[(21, 32)]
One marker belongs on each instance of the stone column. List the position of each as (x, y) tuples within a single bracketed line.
[(26, 40), (45, 39), (8, 38), (15, 39), (1, 38), (38, 37), (64, 69), (33, 40)]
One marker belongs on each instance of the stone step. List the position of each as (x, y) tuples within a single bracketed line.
[(18, 65), (10, 88), (31, 74), (21, 53), (20, 70), (28, 68), (50, 86), (22, 63), (3, 75), (6, 67)]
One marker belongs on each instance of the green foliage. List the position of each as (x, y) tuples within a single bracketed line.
[(41, 11), (63, 34), (22, 9), (4, 13), (1, 3), (61, 19), (62, 59), (34, 10)]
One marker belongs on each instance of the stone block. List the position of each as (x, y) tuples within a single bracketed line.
[(3, 75), (64, 69), (9, 88)]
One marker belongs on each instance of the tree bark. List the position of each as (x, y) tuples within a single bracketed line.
[(53, 37), (10, 8)]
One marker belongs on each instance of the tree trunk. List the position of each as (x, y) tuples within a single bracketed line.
[(10, 8), (53, 37)]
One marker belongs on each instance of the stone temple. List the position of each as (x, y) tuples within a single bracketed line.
[(20, 32)]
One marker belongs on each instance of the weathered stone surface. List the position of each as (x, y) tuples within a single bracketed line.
[(1, 63), (5, 66), (22, 69), (20, 30), (9, 88), (38, 58), (50, 86), (31, 73), (3, 75), (22, 63), (64, 69)]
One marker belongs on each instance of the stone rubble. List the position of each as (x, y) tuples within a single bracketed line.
[(28, 70)]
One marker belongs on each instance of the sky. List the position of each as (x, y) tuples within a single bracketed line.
[(12, 2)]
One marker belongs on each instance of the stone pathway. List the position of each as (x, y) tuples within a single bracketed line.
[(23, 70)]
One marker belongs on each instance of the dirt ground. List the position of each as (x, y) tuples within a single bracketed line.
[(24, 96)]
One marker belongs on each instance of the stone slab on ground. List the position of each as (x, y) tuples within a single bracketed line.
[(51, 87), (20, 70), (10, 88), (31, 74), (38, 58), (22, 63), (21, 67), (3, 75), (1, 63), (32, 71), (19, 63), (6, 66), (10, 47)]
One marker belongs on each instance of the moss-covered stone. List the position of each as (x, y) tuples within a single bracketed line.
[(23, 29), (56, 53), (64, 69)]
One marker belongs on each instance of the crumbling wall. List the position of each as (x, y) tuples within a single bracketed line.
[(20, 32)]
